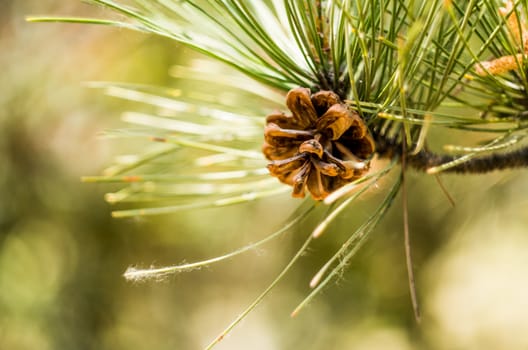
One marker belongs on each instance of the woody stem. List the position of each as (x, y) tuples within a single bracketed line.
[(426, 159)]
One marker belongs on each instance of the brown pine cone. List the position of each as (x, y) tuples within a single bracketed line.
[(322, 146)]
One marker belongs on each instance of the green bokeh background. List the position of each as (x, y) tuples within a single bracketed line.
[(62, 256)]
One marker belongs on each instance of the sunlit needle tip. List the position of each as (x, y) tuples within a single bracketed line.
[(294, 313), (431, 171), (315, 280), (318, 231)]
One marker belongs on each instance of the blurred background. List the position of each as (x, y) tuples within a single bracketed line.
[(62, 256)]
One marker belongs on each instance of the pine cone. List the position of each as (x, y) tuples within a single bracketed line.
[(322, 146)]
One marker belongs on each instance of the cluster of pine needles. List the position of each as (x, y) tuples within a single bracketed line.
[(407, 68)]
